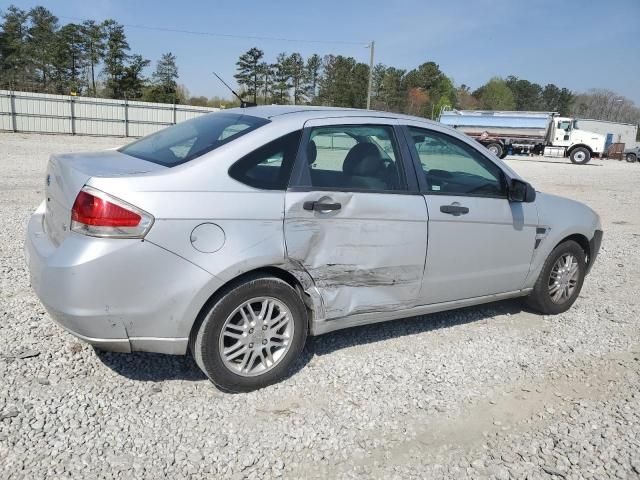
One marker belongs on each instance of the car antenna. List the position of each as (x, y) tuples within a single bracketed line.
[(243, 104)]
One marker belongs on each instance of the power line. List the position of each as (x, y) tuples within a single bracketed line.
[(229, 35)]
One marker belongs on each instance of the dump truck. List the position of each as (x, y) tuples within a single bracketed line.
[(538, 133)]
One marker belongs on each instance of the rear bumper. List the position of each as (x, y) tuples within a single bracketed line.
[(594, 248), (119, 295)]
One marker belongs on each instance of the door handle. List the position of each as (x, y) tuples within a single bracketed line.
[(454, 210), (321, 207)]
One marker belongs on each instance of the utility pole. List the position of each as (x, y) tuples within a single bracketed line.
[(370, 46)]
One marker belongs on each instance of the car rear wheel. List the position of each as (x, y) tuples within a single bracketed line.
[(251, 335), (580, 155), (560, 280), (631, 157)]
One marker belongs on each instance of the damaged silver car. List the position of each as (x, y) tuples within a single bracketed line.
[(237, 234)]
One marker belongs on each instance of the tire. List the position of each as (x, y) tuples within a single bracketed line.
[(540, 298), (580, 156), (496, 149), (284, 342), (631, 157)]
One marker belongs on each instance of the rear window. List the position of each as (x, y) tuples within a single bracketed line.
[(188, 140)]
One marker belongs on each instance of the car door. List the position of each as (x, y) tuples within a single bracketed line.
[(480, 243), (354, 219)]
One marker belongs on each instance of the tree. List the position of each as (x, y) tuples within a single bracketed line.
[(344, 82), (41, 36), (69, 60), (93, 40), (115, 58), (434, 83), (14, 64), (265, 76), (164, 86), (527, 95), (313, 69), (281, 79), (248, 66), (464, 99), (556, 99), (297, 74), (604, 104), (391, 92), (495, 95), (133, 82)]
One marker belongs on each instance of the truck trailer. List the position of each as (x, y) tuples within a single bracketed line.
[(538, 133)]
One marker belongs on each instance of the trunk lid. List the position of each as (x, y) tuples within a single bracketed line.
[(68, 173)]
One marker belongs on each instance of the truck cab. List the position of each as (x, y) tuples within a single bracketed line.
[(564, 134)]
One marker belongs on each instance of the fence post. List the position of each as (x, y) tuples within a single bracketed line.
[(72, 109), (126, 117), (12, 102), (174, 112)]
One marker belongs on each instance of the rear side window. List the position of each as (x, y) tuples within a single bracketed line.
[(190, 139), (269, 167)]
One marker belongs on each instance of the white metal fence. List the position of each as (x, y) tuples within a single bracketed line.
[(46, 113)]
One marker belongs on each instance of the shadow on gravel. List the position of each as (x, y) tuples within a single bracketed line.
[(158, 367), (377, 332), (153, 367)]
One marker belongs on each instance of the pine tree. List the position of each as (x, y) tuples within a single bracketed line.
[(14, 65), (93, 40), (164, 87), (281, 79), (115, 58), (298, 76), (313, 69), (69, 59), (248, 76), (40, 40)]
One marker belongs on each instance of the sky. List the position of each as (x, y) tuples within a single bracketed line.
[(578, 44)]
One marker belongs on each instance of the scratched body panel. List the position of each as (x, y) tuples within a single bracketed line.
[(368, 256)]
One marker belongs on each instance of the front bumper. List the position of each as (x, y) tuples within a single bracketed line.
[(120, 295)]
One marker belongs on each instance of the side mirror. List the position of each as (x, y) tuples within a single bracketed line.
[(520, 191)]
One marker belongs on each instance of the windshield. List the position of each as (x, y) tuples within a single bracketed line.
[(190, 139)]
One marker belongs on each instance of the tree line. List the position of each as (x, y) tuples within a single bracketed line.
[(38, 53), (88, 58)]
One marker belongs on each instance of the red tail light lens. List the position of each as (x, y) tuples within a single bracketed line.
[(92, 210), (98, 214)]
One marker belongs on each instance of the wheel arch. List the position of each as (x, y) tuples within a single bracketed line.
[(577, 145), (581, 240), (296, 281)]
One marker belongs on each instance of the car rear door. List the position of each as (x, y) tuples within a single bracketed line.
[(480, 243), (356, 225)]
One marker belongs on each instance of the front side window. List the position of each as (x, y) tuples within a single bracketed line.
[(268, 167), (451, 167), (354, 157), (188, 140)]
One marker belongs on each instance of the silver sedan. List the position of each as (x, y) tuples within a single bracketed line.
[(235, 235)]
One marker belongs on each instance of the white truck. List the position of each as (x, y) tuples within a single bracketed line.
[(547, 133)]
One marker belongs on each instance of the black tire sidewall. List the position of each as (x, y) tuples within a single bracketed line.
[(631, 158), (211, 360), (498, 147), (580, 149), (540, 298)]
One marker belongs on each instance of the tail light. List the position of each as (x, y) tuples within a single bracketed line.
[(98, 214)]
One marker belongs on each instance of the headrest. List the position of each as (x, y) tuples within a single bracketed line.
[(363, 159), (312, 152)]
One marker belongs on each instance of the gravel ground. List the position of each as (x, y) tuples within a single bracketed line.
[(486, 392)]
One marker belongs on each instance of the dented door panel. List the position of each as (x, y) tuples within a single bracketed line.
[(367, 256)]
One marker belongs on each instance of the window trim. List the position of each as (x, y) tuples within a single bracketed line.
[(298, 175), (417, 164)]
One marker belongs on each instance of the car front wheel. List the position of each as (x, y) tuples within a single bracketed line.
[(631, 157), (251, 335), (560, 280)]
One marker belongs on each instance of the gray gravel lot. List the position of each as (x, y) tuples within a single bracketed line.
[(486, 392)]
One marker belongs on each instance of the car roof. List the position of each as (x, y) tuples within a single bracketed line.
[(307, 112)]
